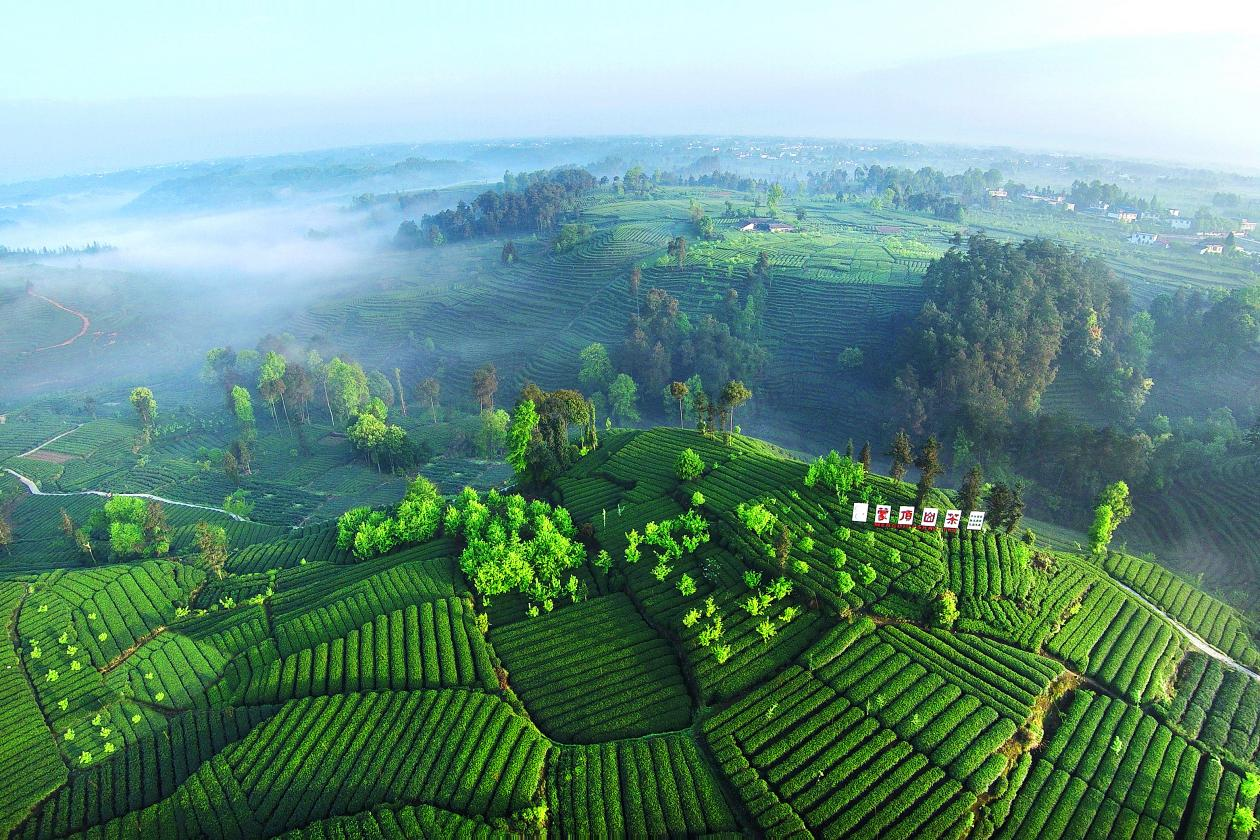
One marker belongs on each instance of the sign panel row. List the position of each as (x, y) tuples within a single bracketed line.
[(929, 518)]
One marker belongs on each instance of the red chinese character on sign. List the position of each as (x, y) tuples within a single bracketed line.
[(952, 519), (883, 514), (929, 518), (905, 517)]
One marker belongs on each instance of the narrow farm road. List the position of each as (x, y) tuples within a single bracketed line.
[(35, 491), (87, 322), (1193, 638), (50, 440)]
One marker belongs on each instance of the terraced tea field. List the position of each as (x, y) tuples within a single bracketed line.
[(720, 693)]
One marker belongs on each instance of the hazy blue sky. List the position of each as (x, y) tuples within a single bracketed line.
[(86, 86)]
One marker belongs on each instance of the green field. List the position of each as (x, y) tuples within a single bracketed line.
[(338, 698)]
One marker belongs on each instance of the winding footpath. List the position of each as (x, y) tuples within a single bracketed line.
[(87, 322), (34, 490), (1193, 638)]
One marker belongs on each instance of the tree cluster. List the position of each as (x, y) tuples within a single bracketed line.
[(999, 321), (535, 203), (369, 533), (511, 545)]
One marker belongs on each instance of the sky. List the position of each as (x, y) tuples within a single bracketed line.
[(91, 86)]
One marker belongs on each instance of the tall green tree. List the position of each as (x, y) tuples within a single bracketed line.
[(972, 485), (929, 464), (520, 433), (429, 390), (485, 385), (636, 279), (773, 197), (734, 394), (402, 396), (1004, 505), (271, 382), (146, 411), (596, 370), (348, 388), (679, 391), (212, 544), (623, 398), (864, 457), (1114, 507), (678, 250), (902, 454)]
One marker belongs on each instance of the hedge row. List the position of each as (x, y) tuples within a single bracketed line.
[(594, 671), (428, 645)]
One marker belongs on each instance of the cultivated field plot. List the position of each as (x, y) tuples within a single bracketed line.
[(789, 680)]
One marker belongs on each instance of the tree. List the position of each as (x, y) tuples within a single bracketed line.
[(367, 433), (319, 375), (157, 533), (1004, 505), (379, 388), (928, 462), (237, 503), (520, 432), (679, 391), (972, 484), (231, 468), (636, 278), (864, 457), (271, 382), (348, 388), (212, 543), (1113, 508), (689, 465), (902, 454), (146, 410), (835, 472), (299, 389), (678, 250), (493, 431), (945, 609), (6, 532), (402, 396), (485, 385), (428, 391), (243, 408), (623, 396), (508, 254), (1252, 438), (734, 394), (596, 368), (773, 196)]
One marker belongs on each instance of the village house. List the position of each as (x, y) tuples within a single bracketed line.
[(1246, 227), (1124, 215), (1174, 211), (1180, 223), (1141, 237), (1213, 248), (998, 193)]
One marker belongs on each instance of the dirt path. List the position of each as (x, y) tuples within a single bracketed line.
[(35, 491), (50, 440), (1193, 638), (87, 322)]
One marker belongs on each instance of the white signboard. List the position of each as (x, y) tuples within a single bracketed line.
[(883, 514), (975, 520), (953, 518), (928, 519), (860, 510), (905, 516)]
